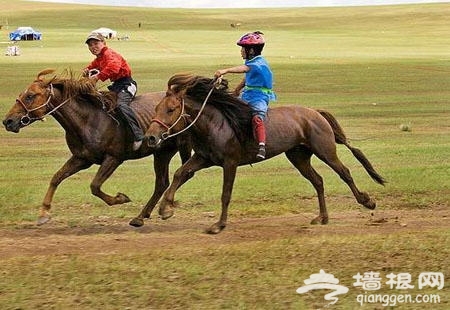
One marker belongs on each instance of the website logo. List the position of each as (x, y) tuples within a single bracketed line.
[(324, 281), (388, 290)]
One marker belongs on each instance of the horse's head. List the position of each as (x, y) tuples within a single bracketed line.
[(169, 118), (31, 105)]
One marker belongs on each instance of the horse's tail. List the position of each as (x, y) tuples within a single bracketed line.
[(340, 138)]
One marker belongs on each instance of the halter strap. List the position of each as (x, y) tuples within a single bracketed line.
[(155, 120), (27, 120)]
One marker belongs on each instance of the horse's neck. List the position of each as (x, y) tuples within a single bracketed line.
[(208, 119), (76, 117)]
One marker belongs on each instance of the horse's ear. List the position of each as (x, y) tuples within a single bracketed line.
[(51, 80), (43, 73), (177, 90)]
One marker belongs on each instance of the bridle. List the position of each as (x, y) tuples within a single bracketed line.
[(27, 119), (183, 116), (166, 135)]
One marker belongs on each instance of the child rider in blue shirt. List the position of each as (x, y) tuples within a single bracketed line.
[(256, 87)]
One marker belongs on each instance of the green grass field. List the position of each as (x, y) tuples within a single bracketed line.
[(374, 68)]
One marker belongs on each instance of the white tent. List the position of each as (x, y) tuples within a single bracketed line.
[(106, 32)]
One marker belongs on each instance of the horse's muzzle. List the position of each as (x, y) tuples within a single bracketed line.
[(153, 141), (11, 125)]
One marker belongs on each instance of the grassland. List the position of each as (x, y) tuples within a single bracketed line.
[(374, 68)]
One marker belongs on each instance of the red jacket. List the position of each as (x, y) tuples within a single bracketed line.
[(111, 65)]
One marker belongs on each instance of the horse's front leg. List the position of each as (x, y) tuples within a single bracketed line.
[(72, 166), (229, 175), (181, 176), (108, 166), (184, 145), (161, 167)]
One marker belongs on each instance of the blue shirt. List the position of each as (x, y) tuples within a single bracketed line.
[(258, 81), (260, 74)]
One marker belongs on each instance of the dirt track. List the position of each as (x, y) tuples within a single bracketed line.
[(107, 236)]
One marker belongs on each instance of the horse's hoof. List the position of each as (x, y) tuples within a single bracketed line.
[(42, 220), (320, 220), (215, 229), (166, 214), (165, 210), (371, 205), (137, 222), (366, 201), (121, 198)]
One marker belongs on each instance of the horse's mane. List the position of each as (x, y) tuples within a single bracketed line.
[(234, 110), (82, 89)]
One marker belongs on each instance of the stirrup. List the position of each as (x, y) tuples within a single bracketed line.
[(261, 152)]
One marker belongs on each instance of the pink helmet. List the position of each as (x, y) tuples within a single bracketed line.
[(251, 38)]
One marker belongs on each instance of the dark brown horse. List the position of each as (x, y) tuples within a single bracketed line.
[(93, 135), (221, 132)]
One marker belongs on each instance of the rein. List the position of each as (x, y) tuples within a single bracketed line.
[(27, 120), (166, 135)]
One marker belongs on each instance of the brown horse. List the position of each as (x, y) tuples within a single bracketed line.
[(221, 132), (93, 135)]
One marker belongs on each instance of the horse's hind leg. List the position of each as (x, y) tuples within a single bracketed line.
[(362, 197), (72, 166), (161, 167), (331, 159), (108, 166), (300, 157)]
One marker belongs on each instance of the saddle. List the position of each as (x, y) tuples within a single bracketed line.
[(105, 99), (108, 100)]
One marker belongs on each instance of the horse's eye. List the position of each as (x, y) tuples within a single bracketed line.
[(170, 110), (29, 98)]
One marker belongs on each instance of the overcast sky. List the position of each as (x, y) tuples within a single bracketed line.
[(239, 3)]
